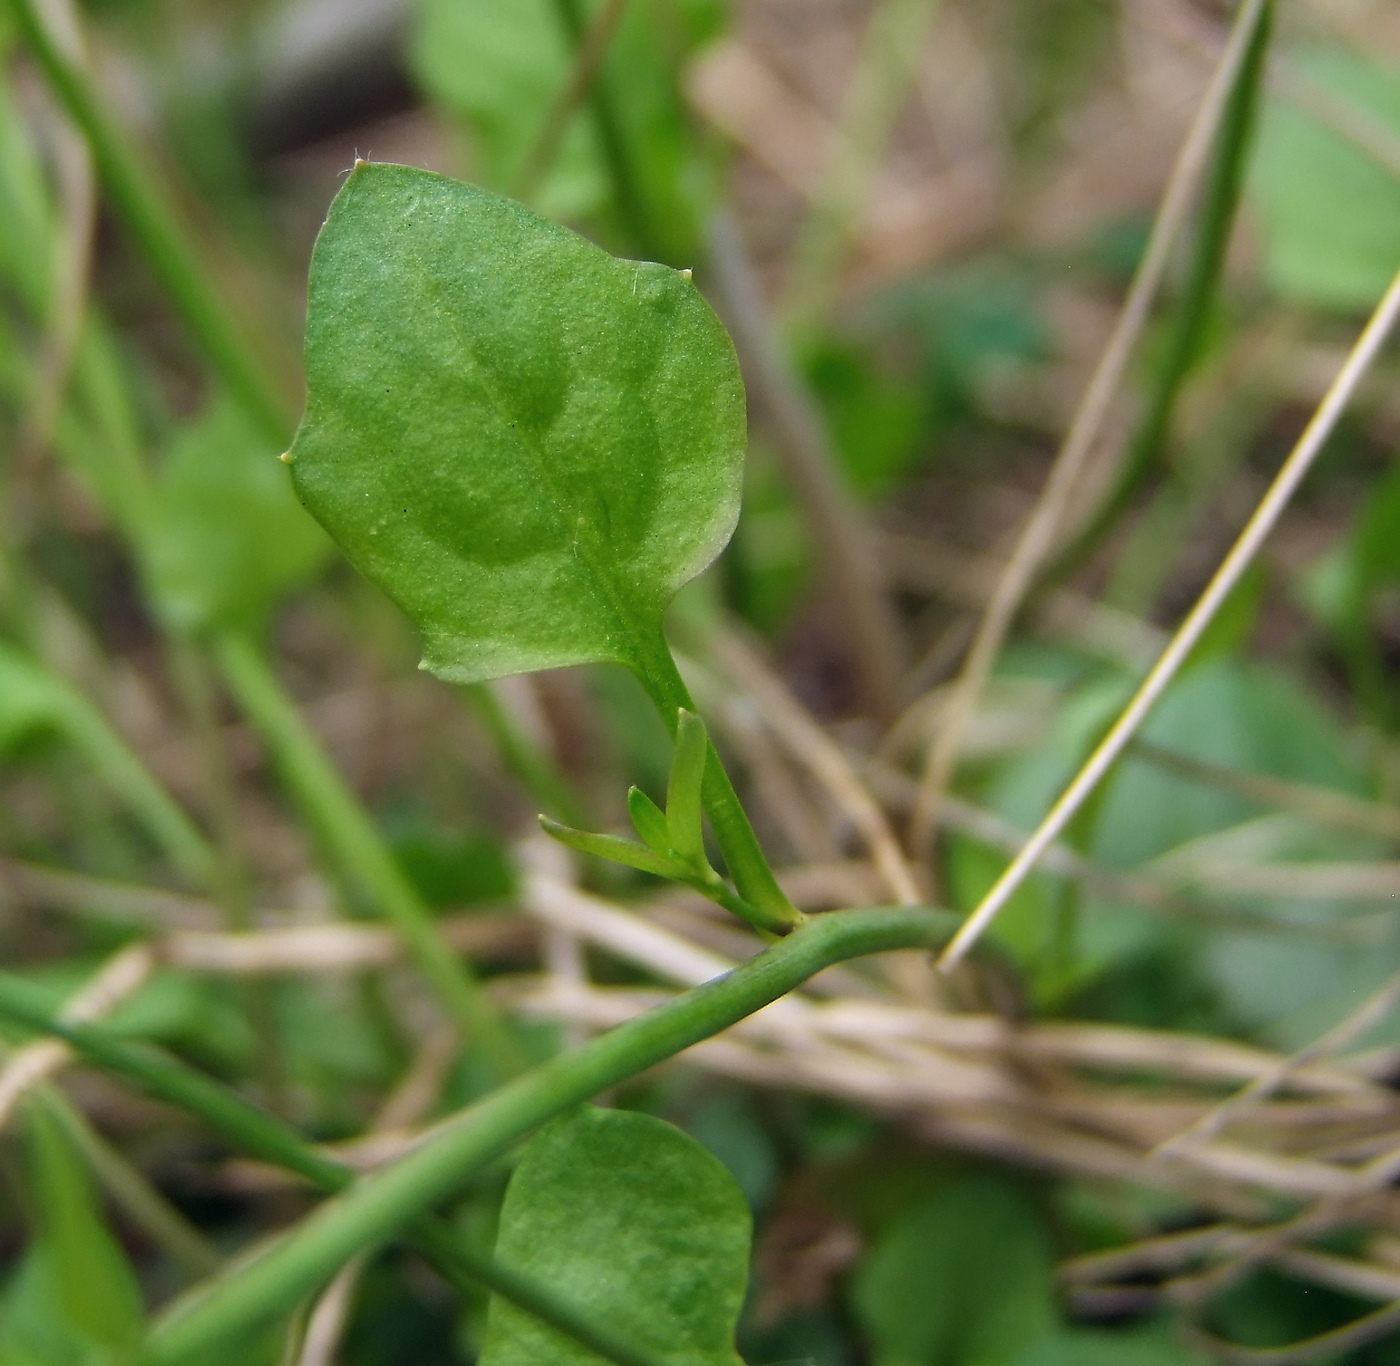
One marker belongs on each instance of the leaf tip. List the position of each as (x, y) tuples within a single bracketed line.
[(285, 457), (686, 273)]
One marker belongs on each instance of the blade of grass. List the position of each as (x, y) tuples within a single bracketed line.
[(144, 795), (358, 845), (1221, 199), (1241, 555), (1037, 538), (587, 59), (631, 201), (895, 39), (150, 213), (129, 1188)]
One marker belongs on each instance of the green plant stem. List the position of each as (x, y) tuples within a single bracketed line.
[(144, 795), (264, 1136), (357, 844), (1220, 201), (735, 835), (631, 203), (389, 1199), (155, 223)]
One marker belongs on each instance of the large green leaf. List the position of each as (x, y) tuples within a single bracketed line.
[(1329, 213), (528, 443), (228, 538), (632, 1222), (962, 1278), (74, 1300)]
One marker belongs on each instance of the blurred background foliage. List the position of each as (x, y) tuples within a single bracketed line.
[(920, 220)]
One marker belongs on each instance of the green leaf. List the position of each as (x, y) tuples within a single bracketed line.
[(683, 791), (633, 1223), (1329, 214), (649, 821), (74, 1300), (963, 1278), (29, 702), (228, 538), (528, 444), (501, 66), (610, 847)]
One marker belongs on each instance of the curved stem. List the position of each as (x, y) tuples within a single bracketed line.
[(392, 1198), (264, 1136)]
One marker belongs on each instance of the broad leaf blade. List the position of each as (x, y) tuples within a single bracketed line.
[(636, 1225), (529, 444)]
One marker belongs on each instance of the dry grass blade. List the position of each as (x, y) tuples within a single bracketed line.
[(1356, 1334), (895, 37), (810, 745), (846, 543), (122, 975), (320, 1345), (1241, 555), (1037, 539), (587, 60)]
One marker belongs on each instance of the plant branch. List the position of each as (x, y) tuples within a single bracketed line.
[(1241, 555), (264, 1136), (391, 1198)]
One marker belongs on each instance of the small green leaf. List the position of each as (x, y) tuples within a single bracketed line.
[(228, 538), (75, 1300), (634, 1224), (683, 790), (500, 66), (29, 701), (963, 1278), (610, 847), (649, 822), (528, 444)]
